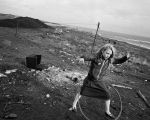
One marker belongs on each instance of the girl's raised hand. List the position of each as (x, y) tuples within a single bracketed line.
[(81, 60)]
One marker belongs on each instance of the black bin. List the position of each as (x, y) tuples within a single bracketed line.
[(33, 60)]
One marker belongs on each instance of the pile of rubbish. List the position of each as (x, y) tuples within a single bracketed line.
[(57, 75)]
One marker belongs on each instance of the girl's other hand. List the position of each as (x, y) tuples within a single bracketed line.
[(128, 55), (81, 60)]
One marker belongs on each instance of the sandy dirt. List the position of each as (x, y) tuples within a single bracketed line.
[(48, 93)]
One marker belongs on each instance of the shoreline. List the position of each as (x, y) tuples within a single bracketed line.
[(120, 37), (138, 43)]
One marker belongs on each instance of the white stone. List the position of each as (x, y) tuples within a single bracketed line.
[(47, 95)]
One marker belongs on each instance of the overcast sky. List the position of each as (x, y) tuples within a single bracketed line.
[(126, 16)]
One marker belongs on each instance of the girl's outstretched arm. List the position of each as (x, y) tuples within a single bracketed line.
[(120, 60), (88, 58)]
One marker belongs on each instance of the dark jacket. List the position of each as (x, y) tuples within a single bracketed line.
[(96, 65), (93, 85)]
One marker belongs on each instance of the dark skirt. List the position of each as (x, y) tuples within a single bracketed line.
[(95, 89)]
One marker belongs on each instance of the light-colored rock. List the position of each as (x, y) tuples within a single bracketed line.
[(11, 115), (47, 95), (2, 75), (10, 71)]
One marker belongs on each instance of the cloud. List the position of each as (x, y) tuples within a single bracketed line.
[(113, 14)]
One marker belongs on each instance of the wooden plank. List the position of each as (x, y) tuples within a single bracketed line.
[(143, 98)]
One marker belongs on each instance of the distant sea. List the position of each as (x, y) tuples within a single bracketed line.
[(131, 39)]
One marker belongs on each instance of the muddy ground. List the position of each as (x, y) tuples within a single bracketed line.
[(48, 93)]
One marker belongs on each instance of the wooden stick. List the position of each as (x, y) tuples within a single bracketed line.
[(95, 37), (122, 86), (17, 24), (143, 98)]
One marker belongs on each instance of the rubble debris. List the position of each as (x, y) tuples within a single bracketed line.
[(75, 80), (132, 107), (66, 88), (10, 71), (141, 106), (2, 75), (4, 109), (10, 116), (47, 95), (8, 96), (66, 53), (58, 31), (57, 74)]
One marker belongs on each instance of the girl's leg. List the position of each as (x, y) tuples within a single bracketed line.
[(78, 96), (107, 109), (107, 106)]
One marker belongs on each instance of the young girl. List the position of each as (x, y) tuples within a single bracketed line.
[(93, 85)]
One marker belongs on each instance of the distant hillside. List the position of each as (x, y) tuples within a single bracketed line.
[(7, 16), (23, 22)]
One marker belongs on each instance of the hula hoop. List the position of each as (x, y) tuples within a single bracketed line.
[(119, 100)]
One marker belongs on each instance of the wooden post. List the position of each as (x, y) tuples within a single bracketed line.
[(95, 37), (17, 24)]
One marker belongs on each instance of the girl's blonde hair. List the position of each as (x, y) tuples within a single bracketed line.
[(104, 48)]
